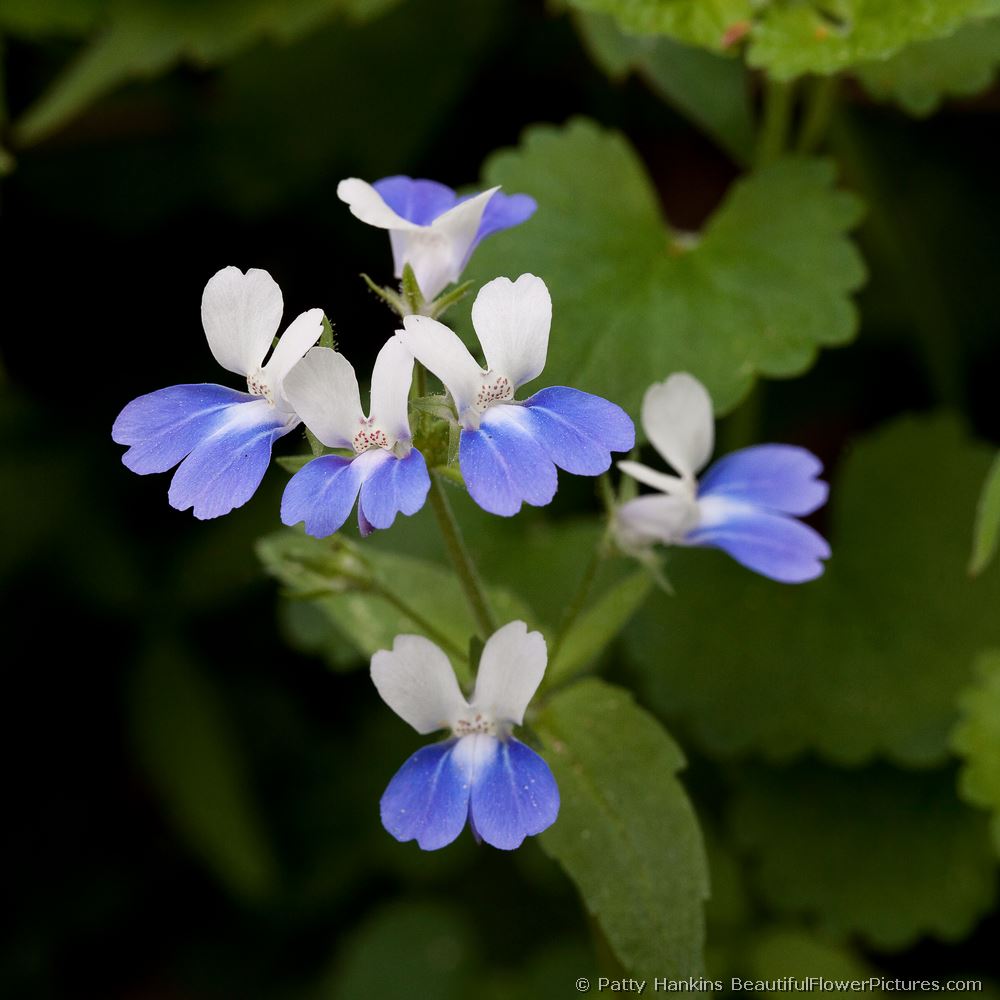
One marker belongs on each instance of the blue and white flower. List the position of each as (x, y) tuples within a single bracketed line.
[(509, 449), (746, 504), (221, 437), (480, 773), (430, 227), (385, 473)]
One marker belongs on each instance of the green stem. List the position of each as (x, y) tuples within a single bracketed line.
[(428, 628), (821, 100), (465, 568), (578, 600), (772, 139)]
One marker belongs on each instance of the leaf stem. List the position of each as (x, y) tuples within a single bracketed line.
[(820, 103), (465, 568), (772, 138), (428, 628), (579, 598)]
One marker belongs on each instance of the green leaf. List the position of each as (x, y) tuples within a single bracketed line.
[(888, 855), (791, 951), (921, 76), (406, 950), (599, 625), (144, 38), (865, 661), (626, 833), (709, 89), (789, 39), (31, 19), (976, 739), (987, 530), (349, 585), (186, 744), (764, 286)]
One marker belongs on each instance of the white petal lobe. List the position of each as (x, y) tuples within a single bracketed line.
[(416, 681), (391, 378), (301, 334), (677, 418), (240, 313), (323, 390), (510, 670), (367, 205), (512, 320), (441, 351), (657, 518)]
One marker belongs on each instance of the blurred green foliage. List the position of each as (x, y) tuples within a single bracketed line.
[(196, 796)]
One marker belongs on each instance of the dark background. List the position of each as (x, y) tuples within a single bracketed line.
[(109, 231)]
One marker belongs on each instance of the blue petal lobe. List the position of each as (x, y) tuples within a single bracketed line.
[(504, 211), (398, 485), (513, 796), (164, 426), (225, 468), (777, 477), (428, 798), (579, 431), (418, 201), (503, 465), (322, 494), (771, 544)]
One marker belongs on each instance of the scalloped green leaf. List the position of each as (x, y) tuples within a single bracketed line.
[(758, 292), (976, 739), (143, 38), (891, 856), (866, 661), (626, 835), (789, 39), (923, 75)]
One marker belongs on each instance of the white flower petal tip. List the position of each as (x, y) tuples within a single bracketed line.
[(510, 669), (369, 206), (678, 420)]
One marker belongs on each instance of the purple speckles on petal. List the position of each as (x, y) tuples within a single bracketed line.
[(397, 485)]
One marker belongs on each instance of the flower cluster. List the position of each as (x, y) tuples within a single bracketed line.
[(508, 453)]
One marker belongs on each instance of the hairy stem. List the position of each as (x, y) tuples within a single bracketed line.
[(820, 103), (772, 138), (578, 600), (465, 568)]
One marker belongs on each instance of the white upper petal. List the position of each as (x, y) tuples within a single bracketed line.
[(416, 681), (241, 313), (390, 397), (657, 518), (661, 481), (368, 205), (677, 418), (510, 671), (323, 390), (301, 334), (438, 252), (440, 351), (512, 320)]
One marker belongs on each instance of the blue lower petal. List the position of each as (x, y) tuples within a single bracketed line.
[(503, 465), (164, 426), (428, 798), (514, 796), (225, 468), (502, 212), (322, 494), (579, 431), (778, 477), (771, 544), (398, 485), (418, 201)]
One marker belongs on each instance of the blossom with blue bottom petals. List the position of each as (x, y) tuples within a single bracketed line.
[(222, 438), (432, 228), (509, 449), (386, 474), (746, 503), (480, 774)]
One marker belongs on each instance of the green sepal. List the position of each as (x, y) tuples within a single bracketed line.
[(413, 298), (391, 298), (293, 463), (444, 302), (326, 338)]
